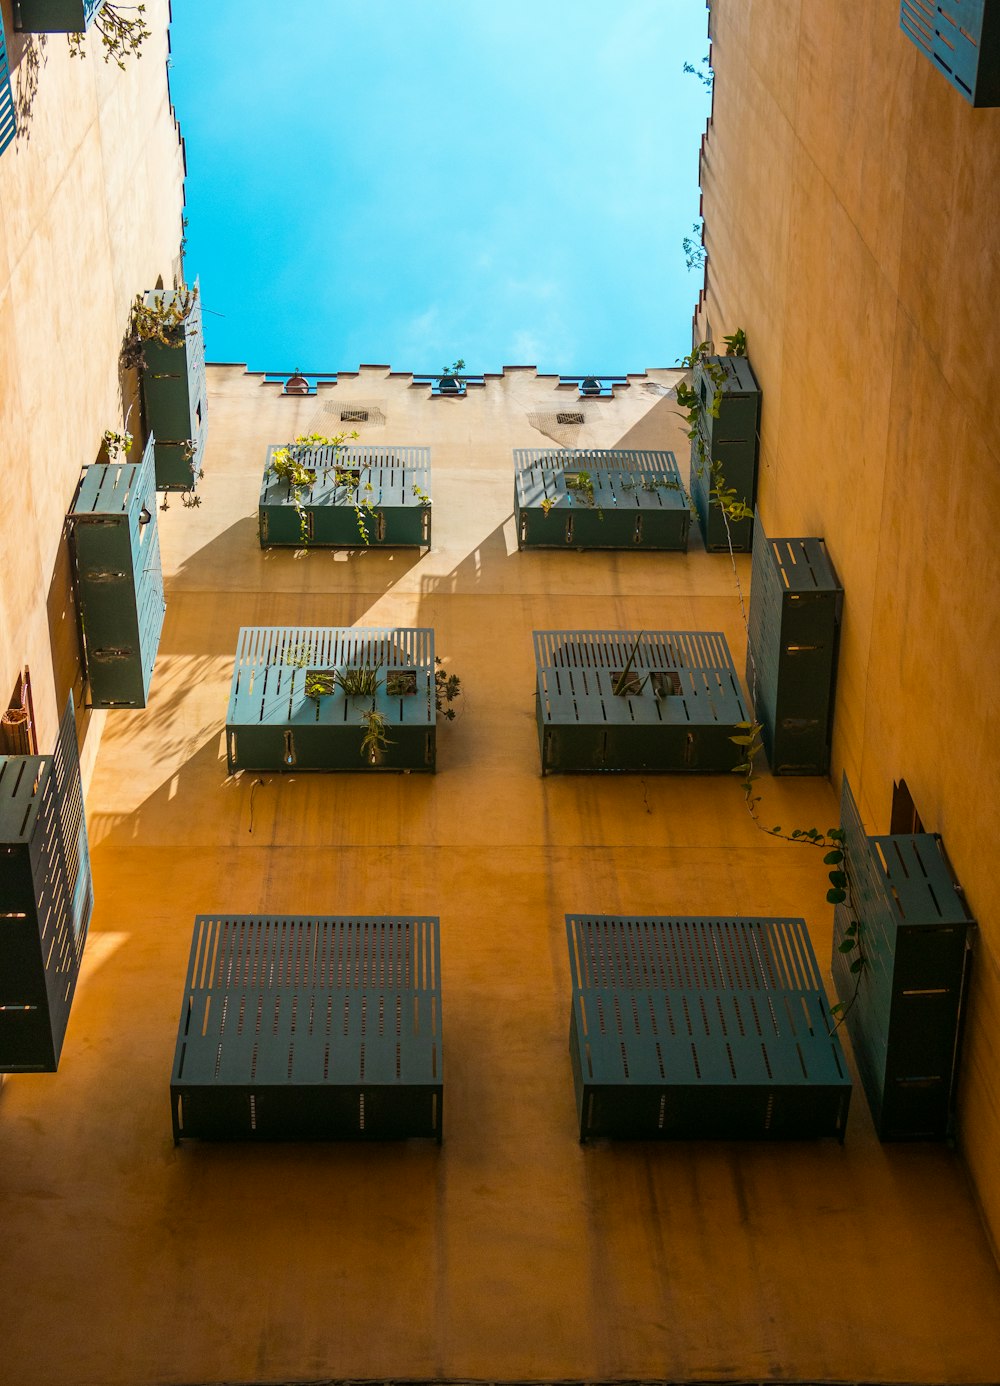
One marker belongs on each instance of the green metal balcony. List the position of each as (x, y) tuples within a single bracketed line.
[(119, 578), (292, 706), (8, 115), (961, 39), (358, 496), (599, 499), (175, 396), (732, 440), (46, 899), (795, 610), (636, 701), (55, 16), (303, 1028), (903, 1006), (702, 1027)]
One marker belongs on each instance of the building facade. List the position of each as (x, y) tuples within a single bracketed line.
[(513, 1251)]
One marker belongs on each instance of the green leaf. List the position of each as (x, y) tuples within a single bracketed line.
[(833, 858), (852, 928), (742, 740), (835, 1010), (777, 829), (837, 834), (838, 878), (848, 946), (836, 897), (857, 965)]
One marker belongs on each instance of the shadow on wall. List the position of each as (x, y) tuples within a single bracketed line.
[(566, 422), (662, 426), (234, 560), (481, 566), (26, 55), (198, 805)]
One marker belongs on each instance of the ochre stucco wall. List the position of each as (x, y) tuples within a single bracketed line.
[(91, 197), (852, 205), (512, 1252)]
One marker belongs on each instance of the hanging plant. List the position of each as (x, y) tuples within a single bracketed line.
[(292, 464), (376, 737)]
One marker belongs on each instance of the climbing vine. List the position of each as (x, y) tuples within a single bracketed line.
[(291, 464)]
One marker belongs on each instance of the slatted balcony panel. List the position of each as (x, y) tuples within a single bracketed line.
[(273, 723), (119, 578), (794, 619), (8, 114), (175, 395), (684, 705), (300, 1028), (46, 900), (395, 481), (638, 500), (702, 1027), (642, 953), (55, 16), (961, 38), (738, 419), (905, 1013), (733, 440), (719, 531)]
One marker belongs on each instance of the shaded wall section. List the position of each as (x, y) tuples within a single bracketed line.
[(852, 200), (91, 197)]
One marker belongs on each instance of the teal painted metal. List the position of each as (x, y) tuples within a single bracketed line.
[(904, 1014), (46, 899), (394, 480), (116, 549), (175, 395), (731, 439), (8, 116), (795, 611), (55, 16), (302, 1028), (274, 723), (961, 38), (628, 499), (702, 1027), (680, 704)]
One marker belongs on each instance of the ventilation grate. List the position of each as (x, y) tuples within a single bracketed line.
[(575, 418), (354, 416)]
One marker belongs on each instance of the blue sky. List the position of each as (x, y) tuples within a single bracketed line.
[(409, 183)]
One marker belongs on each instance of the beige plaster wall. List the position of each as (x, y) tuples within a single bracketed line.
[(91, 196), (852, 200)]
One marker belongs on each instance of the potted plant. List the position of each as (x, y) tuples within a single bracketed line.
[(450, 381)]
